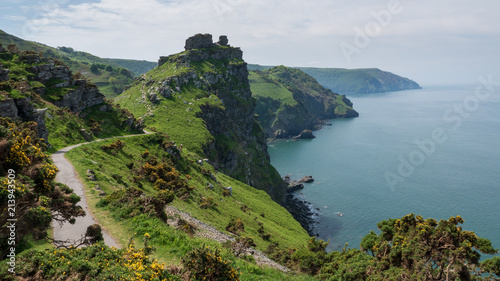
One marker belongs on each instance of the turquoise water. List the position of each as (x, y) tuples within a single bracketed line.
[(454, 171)]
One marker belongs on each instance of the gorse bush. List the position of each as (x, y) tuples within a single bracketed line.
[(235, 226), (27, 178), (207, 264), (96, 262)]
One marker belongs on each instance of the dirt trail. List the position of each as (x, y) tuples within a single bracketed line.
[(67, 175)]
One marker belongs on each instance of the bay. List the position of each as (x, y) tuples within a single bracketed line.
[(438, 146)]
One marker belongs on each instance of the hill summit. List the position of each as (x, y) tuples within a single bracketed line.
[(201, 97)]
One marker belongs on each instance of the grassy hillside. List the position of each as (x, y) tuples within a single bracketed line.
[(354, 81), (137, 67), (289, 101), (64, 126), (360, 81), (110, 77)]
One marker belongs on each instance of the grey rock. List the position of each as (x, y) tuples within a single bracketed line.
[(104, 108), (306, 134), (223, 40), (86, 135), (91, 175), (199, 41), (306, 179)]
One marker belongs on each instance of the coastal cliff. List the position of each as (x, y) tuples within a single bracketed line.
[(201, 98), (291, 103)]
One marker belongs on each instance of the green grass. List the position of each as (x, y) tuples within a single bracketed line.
[(262, 86), (65, 126), (172, 244)]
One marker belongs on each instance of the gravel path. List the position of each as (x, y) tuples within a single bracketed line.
[(71, 232), (205, 230)]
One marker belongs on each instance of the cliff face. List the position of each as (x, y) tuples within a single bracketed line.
[(202, 99), (290, 101)]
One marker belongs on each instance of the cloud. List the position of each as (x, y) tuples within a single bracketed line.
[(293, 32)]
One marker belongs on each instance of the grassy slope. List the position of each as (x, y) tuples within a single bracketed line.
[(63, 125), (173, 244), (78, 62), (261, 86), (273, 89), (138, 67), (175, 115)]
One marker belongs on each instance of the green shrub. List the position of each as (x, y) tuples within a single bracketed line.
[(235, 226), (207, 264)]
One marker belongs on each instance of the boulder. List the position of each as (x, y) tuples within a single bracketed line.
[(306, 179), (91, 175), (306, 134)]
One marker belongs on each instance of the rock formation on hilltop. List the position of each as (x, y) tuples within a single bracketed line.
[(210, 81)]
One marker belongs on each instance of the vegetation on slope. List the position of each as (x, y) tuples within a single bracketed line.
[(28, 193), (289, 101), (110, 77), (354, 81), (137, 67), (206, 106), (360, 81), (64, 126)]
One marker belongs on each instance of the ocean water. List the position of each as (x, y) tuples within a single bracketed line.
[(433, 152)]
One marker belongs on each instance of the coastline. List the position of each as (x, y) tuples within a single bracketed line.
[(304, 212)]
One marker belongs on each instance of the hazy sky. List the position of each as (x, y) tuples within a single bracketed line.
[(431, 42)]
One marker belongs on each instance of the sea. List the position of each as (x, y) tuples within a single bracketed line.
[(434, 152)]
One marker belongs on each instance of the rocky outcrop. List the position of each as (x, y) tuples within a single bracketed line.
[(306, 179), (238, 147), (22, 109), (202, 41), (82, 97), (306, 134), (4, 73)]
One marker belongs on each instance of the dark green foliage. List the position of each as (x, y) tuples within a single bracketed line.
[(96, 262), (94, 68), (207, 264), (235, 226)]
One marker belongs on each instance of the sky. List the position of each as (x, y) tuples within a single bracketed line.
[(429, 41)]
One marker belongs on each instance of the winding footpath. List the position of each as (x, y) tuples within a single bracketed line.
[(67, 233)]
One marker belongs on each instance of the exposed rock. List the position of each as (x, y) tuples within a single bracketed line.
[(91, 175), (306, 179), (81, 98), (199, 41), (86, 135), (306, 134), (4, 73), (8, 108), (303, 212), (2, 49), (22, 109), (38, 116), (223, 40), (292, 185)]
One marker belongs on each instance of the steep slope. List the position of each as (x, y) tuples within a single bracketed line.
[(201, 98), (110, 77), (288, 101), (44, 90)]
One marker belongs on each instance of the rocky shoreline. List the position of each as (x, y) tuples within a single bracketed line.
[(302, 211)]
